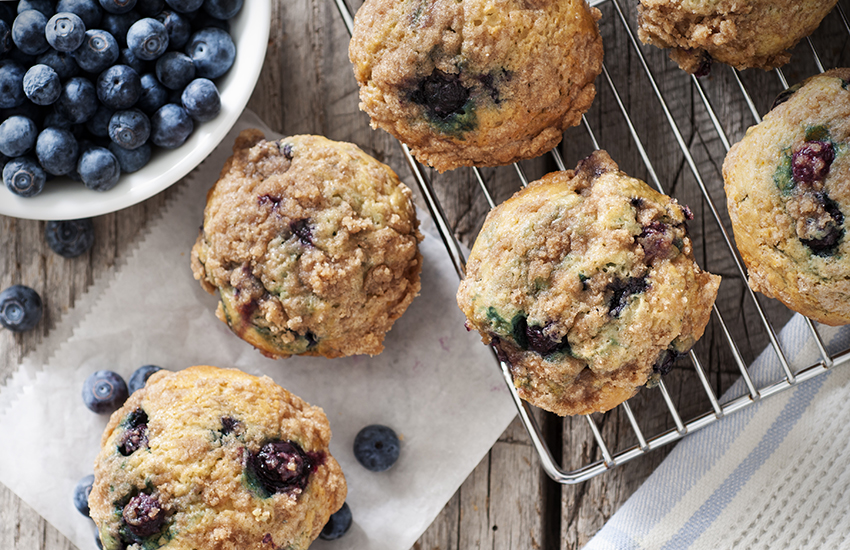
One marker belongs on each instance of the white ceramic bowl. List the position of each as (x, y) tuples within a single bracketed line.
[(64, 199)]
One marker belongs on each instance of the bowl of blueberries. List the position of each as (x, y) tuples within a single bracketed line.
[(104, 103)]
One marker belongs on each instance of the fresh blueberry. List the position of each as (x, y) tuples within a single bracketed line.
[(55, 120), (70, 238), (6, 43), (43, 6), (376, 447), (201, 100), (65, 31), (338, 524), (131, 160), (178, 27), (28, 32), (442, 94), (20, 308), (280, 466), (17, 136), (78, 101), (42, 85), (185, 6), (61, 62), (175, 70), (24, 177), (140, 377), (212, 50), (117, 6), (126, 57), (130, 129), (144, 515), (104, 391), (119, 87), (57, 150), (147, 39), (81, 494), (117, 24), (171, 126), (222, 9), (150, 8), (99, 169), (98, 124), (11, 84), (154, 94), (98, 51), (87, 10)]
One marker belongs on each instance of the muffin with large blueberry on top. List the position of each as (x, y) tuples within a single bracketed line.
[(585, 284), (475, 82), (756, 33), (214, 459), (311, 244), (787, 188)]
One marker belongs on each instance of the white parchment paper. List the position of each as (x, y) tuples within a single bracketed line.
[(435, 383)]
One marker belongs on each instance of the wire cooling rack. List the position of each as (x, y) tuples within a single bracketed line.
[(717, 408)]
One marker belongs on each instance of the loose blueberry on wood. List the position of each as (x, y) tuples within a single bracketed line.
[(338, 524), (81, 494), (70, 238), (20, 308), (104, 391), (376, 447)]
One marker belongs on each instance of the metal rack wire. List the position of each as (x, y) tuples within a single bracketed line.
[(718, 409)]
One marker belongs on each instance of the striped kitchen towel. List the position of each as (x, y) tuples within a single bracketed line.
[(773, 475)]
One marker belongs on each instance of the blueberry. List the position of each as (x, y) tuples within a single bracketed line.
[(43, 6), (98, 51), (6, 43), (301, 229), (664, 364), (126, 57), (135, 434), (150, 8), (55, 120), (140, 377), (222, 9), (442, 94), (81, 494), (57, 150), (11, 84), (99, 169), (20, 308), (129, 129), (170, 126), (622, 290), (178, 27), (117, 24), (338, 524), (42, 85), (376, 447), (24, 177), (212, 50), (185, 6), (65, 31), (87, 10), (811, 162), (98, 124), (78, 101), (131, 160), (147, 39), (201, 100), (117, 6), (119, 87), (154, 94), (104, 391), (280, 466), (144, 516), (28, 32), (69, 238), (175, 70), (61, 62), (17, 136), (542, 344)]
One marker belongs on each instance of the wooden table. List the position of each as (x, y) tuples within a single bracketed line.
[(307, 86)]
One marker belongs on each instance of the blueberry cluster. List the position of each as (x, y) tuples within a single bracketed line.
[(89, 87)]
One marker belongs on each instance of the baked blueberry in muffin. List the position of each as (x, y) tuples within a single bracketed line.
[(788, 196), (210, 458), (585, 284), (311, 244), (473, 82)]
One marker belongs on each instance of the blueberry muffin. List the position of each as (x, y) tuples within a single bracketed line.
[(756, 33), (476, 82), (311, 244), (214, 459), (585, 284), (788, 191)]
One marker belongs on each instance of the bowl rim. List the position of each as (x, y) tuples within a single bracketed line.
[(64, 199)]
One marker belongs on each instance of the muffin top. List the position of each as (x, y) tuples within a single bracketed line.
[(209, 458), (475, 82), (311, 244)]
